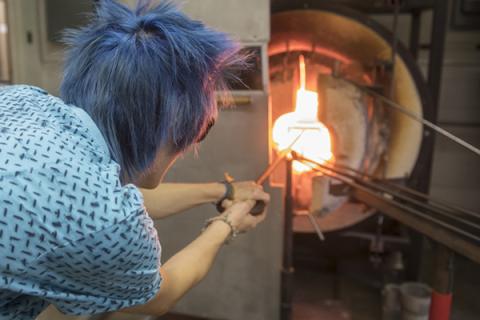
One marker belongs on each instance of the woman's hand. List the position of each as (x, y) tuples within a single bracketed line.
[(249, 190), (239, 215), (246, 190)]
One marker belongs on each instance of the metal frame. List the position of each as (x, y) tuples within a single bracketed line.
[(422, 172), (449, 226), (453, 227), (287, 264)]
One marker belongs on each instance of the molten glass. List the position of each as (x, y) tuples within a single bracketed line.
[(312, 137)]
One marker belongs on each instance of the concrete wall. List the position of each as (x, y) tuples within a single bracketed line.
[(244, 283), (39, 62)]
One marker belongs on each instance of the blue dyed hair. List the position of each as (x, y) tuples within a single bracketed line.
[(148, 78)]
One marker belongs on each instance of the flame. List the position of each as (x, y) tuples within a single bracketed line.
[(301, 131)]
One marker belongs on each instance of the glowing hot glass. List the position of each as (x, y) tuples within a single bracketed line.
[(314, 140)]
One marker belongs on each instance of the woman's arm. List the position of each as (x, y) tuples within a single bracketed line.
[(189, 266), (170, 198)]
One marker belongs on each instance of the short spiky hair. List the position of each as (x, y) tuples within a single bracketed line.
[(147, 77)]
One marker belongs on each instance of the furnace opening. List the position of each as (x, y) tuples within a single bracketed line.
[(319, 60)]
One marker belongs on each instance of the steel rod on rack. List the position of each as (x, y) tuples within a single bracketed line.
[(394, 194), (451, 236), (415, 117), (435, 202), (344, 177)]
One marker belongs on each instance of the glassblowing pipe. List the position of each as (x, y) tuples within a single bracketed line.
[(407, 203), (284, 154), (392, 104)]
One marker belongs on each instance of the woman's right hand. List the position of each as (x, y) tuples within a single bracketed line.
[(239, 216)]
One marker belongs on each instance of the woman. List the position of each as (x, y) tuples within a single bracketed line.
[(138, 90)]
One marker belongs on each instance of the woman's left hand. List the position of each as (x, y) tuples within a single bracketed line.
[(246, 190)]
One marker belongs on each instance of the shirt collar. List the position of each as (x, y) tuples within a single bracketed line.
[(92, 128)]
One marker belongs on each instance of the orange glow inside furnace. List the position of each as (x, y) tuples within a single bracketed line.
[(301, 131)]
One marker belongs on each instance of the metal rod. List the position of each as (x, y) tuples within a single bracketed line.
[(346, 178), (443, 277), (415, 33), (441, 210), (316, 226), (441, 235), (287, 265), (435, 66), (417, 118), (378, 187), (434, 202), (396, 11), (261, 180), (281, 156), (260, 205), (415, 220)]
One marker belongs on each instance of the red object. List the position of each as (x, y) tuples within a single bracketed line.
[(441, 306)]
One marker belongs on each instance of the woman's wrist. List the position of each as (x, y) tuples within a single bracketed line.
[(215, 191), (219, 231)]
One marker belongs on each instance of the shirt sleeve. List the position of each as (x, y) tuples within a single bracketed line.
[(115, 268)]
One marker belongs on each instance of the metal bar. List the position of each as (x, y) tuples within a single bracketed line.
[(415, 24), (415, 117), (346, 178), (421, 204), (391, 193), (439, 30), (418, 213), (434, 202), (260, 205), (287, 267), (442, 283), (366, 7), (446, 234), (396, 11), (435, 68), (261, 180), (443, 276), (445, 237), (281, 156), (316, 226)]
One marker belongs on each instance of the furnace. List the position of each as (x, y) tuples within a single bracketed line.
[(340, 48), (343, 83)]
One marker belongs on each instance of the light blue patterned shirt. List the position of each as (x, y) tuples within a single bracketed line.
[(70, 234)]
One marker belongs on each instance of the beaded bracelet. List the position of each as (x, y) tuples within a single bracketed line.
[(233, 233)]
